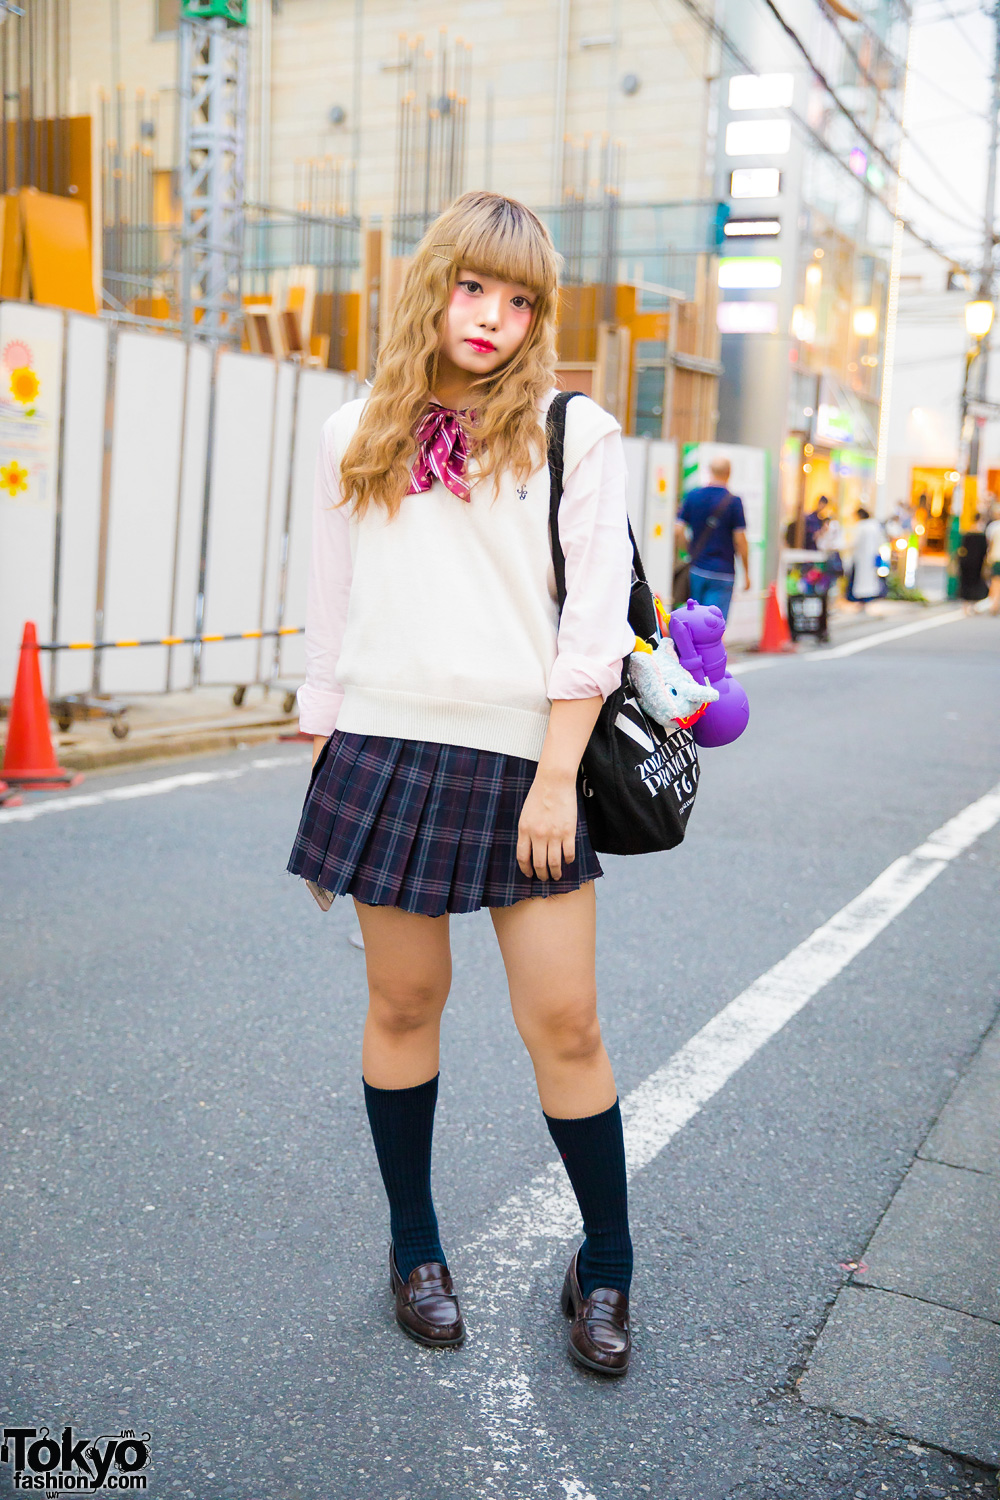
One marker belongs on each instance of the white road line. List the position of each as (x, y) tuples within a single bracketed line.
[(849, 648), (142, 789), (879, 637), (525, 1233), (199, 778)]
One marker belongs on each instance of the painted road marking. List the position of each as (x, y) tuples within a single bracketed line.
[(850, 648), (143, 789), (200, 778), (519, 1244), (897, 633)]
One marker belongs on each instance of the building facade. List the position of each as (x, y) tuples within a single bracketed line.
[(326, 82), (639, 128), (810, 183)]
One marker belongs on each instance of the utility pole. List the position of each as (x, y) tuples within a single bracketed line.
[(978, 361)]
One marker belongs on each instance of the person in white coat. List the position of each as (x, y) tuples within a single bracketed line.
[(863, 582)]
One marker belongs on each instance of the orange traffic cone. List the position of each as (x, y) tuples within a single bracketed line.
[(775, 635), (29, 759)]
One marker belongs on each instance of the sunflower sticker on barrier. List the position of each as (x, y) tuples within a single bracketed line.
[(13, 478), (29, 395)]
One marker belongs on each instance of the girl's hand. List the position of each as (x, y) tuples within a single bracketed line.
[(546, 831), (319, 740)]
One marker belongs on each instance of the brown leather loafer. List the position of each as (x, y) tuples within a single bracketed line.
[(599, 1337), (426, 1306)]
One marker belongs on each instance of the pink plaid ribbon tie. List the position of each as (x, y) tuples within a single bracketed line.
[(442, 451)]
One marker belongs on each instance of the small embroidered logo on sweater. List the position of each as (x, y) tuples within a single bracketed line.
[(522, 492)]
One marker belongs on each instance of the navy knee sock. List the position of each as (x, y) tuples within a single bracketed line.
[(593, 1153), (402, 1124)]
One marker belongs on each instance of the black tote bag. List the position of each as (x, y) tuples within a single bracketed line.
[(638, 781)]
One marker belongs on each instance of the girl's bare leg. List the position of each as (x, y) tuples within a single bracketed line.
[(548, 951), (548, 948), (409, 975), (408, 958)]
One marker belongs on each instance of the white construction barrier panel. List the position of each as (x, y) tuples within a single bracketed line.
[(241, 510), (661, 514), (142, 526), (82, 469), (31, 346), (321, 393)]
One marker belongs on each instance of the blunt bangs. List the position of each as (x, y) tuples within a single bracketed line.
[(503, 239)]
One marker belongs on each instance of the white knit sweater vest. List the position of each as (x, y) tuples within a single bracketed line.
[(452, 622)]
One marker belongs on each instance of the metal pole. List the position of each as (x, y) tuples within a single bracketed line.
[(287, 526), (276, 369), (206, 504), (559, 93), (264, 118), (105, 522), (178, 512), (488, 141), (980, 360), (357, 63), (60, 483)]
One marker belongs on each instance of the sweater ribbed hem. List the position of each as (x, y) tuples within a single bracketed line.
[(443, 721)]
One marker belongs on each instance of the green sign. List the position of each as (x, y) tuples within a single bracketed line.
[(233, 11)]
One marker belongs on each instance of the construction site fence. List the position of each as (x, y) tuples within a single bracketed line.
[(602, 242), (153, 489)]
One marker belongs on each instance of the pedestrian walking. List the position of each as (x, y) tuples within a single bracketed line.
[(450, 705), (864, 583), (993, 562), (712, 526), (971, 554)]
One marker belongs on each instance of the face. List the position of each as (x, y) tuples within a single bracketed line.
[(486, 323)]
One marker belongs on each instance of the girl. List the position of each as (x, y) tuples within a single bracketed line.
[(863, 582), (460, 704)]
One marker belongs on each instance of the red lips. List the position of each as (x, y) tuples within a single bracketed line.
[(482, 346)]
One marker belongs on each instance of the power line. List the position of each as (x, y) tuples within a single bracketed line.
[(709, 24), (950, 15), (947, 15), (894, 117), (848, 114)]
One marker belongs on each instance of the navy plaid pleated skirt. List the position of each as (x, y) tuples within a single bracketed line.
[(425, 827)]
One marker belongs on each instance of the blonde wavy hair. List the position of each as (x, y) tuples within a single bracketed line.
[(497, 237)]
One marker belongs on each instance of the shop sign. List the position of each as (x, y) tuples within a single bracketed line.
[(845, 462), (833, 425), (743, 272)]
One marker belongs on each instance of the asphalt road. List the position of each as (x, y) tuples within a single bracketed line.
[(192, 1227)]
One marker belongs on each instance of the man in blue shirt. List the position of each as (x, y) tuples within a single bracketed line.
[(714, 533)]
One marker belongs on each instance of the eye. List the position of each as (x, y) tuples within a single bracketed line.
[(521, 303), (471, 287)]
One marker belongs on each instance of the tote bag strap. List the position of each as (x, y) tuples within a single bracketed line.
[(555, 434)]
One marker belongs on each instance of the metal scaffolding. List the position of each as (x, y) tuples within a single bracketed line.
[(34, 74), (212, 89)]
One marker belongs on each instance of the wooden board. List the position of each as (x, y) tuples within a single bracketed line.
[(12, 268), (57, 248)]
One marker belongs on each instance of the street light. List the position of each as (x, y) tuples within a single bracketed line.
[(979, 318)]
